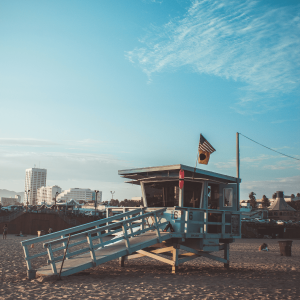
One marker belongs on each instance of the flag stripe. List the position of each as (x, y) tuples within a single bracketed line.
[(204, 145)]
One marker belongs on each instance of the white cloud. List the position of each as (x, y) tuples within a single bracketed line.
[(283, 165), (243, 41), (289, 185), (26, 142), (253, 161), (262, 157), (226, 165)]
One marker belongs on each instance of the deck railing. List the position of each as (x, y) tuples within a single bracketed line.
[(94, 235), (208, 223)]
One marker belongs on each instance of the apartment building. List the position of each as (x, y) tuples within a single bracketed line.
[(34, 179), (7, 201), (46, 194), (78, 194)]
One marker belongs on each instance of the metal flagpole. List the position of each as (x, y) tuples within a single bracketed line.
[(238, 169), (195, 165)]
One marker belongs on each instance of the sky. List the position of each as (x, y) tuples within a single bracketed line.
[(88, 88)]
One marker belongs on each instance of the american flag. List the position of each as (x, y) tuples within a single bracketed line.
[(204, 145)]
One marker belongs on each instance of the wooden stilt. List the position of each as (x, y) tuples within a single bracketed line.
[(121, 261), (175, 258), (226, 255)]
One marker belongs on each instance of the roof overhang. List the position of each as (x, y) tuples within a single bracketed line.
[(171, 172)]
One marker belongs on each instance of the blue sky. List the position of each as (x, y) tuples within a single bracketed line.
[(92, 87)]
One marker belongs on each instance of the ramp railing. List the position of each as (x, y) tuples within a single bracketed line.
[(93, 236)]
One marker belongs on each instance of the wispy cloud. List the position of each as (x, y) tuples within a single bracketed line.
[(244, 41), (33, 142), (283, 165), (26, 142), (226, 165), (268, 187), (260, 162), (253, 161)]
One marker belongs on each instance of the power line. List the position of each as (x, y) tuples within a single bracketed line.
[(268, 147)]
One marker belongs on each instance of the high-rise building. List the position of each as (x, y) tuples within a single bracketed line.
[(79, 194), (47, 194), (34, 179)]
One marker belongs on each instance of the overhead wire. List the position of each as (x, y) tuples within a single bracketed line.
[(269, 148)]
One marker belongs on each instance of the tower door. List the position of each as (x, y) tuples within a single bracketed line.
[(228, 196)]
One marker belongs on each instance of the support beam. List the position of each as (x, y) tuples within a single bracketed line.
[(157, 257), (121, 261), (175, 259), (226, 255)]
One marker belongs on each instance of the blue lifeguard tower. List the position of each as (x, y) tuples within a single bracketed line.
[(187, 213)]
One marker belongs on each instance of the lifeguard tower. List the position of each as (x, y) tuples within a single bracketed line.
[(201, 209), (187, 213)]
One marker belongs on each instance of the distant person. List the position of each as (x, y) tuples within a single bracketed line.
[(50, 230), (5, 230)]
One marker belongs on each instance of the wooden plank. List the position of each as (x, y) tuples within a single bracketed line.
[(157, 257), (162, 250)]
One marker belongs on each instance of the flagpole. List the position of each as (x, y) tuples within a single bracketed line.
[(195, 165), (238, 169), (196, 159)]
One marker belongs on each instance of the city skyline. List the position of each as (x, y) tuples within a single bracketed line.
[(97, 87)]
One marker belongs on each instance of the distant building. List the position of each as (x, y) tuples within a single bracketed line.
[(7, 201), (280, 210), (78, 194), (137, 199), (290, 198), (46, 194), (34, 179)]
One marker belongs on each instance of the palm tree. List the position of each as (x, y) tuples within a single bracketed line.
[(252, 199), (265, 201)]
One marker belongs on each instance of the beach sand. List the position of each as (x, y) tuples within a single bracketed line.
[(253, 274)]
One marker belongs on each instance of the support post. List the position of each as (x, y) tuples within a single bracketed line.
[(65, 245), (91, 246), (181, 198), (121, 261), (226, 255), (51, 258), (144, 194), (238, 170), (28, 262), (175, 258)]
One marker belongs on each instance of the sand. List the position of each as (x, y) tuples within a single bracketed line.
[(253, 274)]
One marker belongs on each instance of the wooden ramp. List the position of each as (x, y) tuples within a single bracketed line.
[(108, 253), (134, 230)]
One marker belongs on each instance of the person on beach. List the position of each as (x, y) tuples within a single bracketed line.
[(5, 229)]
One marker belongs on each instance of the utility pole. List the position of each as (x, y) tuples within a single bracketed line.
[(27, 192), (56, 194), (96, 192), (238, 169), (112, 195)]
